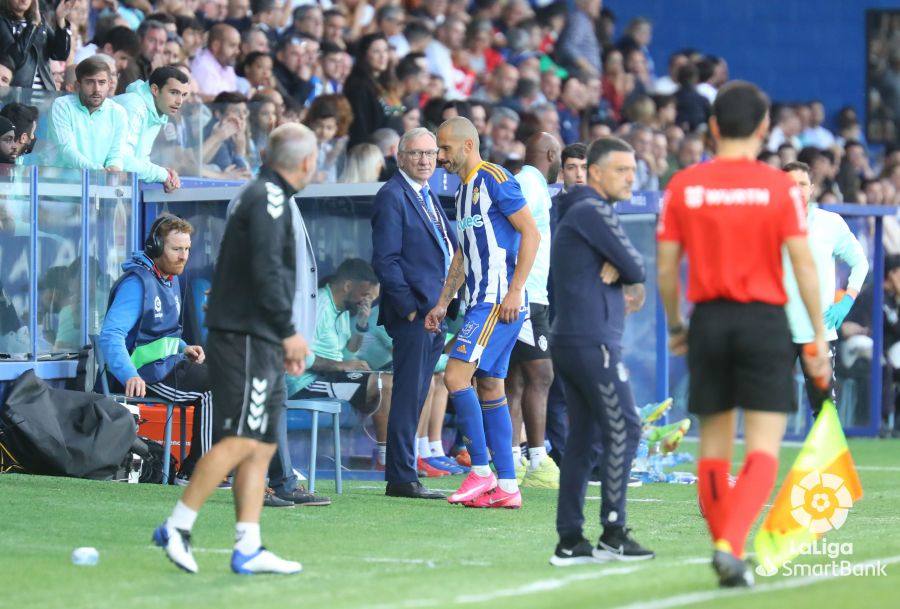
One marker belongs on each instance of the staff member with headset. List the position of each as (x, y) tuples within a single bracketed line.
[(141, 335)]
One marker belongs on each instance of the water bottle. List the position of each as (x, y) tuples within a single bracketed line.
[(85, 557), (640, 459), (134, 472)]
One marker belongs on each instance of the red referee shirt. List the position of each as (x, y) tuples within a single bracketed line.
[(731, 217)]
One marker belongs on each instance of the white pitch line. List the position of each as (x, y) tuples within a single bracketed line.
[(877, 468), (401, 561), (693, 598)]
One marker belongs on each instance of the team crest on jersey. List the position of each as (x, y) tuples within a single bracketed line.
[(157, 308), (475, 195), (468, 329), (542, 342)]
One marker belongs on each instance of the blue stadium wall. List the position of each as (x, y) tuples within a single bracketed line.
[(795, 49)]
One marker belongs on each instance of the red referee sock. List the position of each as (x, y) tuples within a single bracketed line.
[(753, 487), (713, 491)]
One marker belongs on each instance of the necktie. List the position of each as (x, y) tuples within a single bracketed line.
[(432, 214)]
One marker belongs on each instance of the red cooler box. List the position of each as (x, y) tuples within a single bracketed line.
[(153, 426)]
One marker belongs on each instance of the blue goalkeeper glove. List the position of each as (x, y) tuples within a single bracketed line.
[(836, 313)]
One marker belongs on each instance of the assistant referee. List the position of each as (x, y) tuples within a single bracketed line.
[(731, 217)]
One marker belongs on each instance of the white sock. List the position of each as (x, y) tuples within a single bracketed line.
[(536, 455), (182, 517), (508, 486), (517, 455), (424, 448), (382, 453), (247, 539), (437, 449), (482, 470)]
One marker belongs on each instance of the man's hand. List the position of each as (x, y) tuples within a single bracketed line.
[(354, 364), (135, 387), (195, 353), (411, 317), (635, 295), (817, 361), (112, 169), (609, 274), (363, 312), (63, 11), (173, 182), (678, 340), (295, 352), (511, 306), (850, 328), (435, 317)]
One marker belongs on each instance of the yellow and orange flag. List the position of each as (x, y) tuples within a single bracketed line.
[(816, 495)]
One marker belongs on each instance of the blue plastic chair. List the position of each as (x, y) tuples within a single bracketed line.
[(149, 399), (328, 406)]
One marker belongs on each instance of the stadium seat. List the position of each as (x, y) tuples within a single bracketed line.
[(170, 408), (328, 406)]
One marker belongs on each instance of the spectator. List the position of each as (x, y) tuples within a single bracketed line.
[(87, 129), (372, 81), (192, 33), (706, 68), (638, 36), (237, 14), (646, 176), (503, 126), (411, 119), (551, 85), (7, 71), (815, 134), (58, 72), (572, 103), (364, 164), (483, 58), (258, 74), (153, 36), (668, 84), (334, 72), (24, 119), (574, 165), (334, 26), (263, 119), (8, 150), (225, 138), (324, 117), (213, 68), (787, 153), (308, 21), (579, 48), (690, 152), (786, 130), (31, 43), (120, 43), (478, 114), (636, 65), (254, 39), (390, 20), (692, 109), (289, 58), (548, 119), (412, 76), (149, 106), (854, 168), (388, 142), (616, 84), (418, 35), (266, 15), (449, 38)]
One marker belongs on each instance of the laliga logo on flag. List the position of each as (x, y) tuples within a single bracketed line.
[(820, 502)]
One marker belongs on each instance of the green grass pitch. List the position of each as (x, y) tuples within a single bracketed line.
[(369, 551)]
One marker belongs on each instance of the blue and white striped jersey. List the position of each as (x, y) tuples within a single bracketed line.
[(489, 242)]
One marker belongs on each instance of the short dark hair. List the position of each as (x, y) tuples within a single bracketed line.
[(122, 38), (574, 151), (252, 57), (188, 22), (740, 108), (329, 48), (161, 76), (22, 116), (150, 24), (409, 66), (261, 6), (7, 63), (229, 98), (603, 146), (354, 269), (416, 30), (164, 18), (796, 166), (91, 67)]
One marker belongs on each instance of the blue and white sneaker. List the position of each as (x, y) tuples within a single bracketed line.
[(445, 464), (262, 561), (177, 544)]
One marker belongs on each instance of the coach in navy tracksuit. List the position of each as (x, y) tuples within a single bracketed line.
[(412, 246), (592, 259)]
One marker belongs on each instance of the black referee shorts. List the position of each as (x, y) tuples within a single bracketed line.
[(540, 324), (740, 355), (247, 377)]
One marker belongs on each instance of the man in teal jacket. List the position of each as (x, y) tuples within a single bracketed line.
[(87, 129), (149, 106)]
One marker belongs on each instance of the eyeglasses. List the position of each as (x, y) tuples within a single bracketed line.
[(418, 154)]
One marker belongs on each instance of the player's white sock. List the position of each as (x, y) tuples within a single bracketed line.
[(535, 456), (517, 455), (424, 447), (382, 453), (482, 470), (182, 517), (508, 486), (437, 449), (247, 537)]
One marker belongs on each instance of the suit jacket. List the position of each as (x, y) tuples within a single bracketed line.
[(406, 253)]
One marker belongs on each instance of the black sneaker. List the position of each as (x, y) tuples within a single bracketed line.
[(300, 496), (617, 543), (580, 553), (273, 500), (732, 571)]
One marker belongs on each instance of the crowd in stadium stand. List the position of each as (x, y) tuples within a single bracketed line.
[(354, 71)]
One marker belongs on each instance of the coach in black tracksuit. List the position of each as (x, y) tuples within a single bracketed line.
[(592, 259)]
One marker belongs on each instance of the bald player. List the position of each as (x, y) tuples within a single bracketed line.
[(498, 241), (531, 370), (252, 341)]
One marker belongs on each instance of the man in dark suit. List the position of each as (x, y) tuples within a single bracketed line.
[(412, 246)]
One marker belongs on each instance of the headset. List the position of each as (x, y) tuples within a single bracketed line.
[(155, 244)]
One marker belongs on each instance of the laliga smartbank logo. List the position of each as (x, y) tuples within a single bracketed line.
[(821, 503)]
